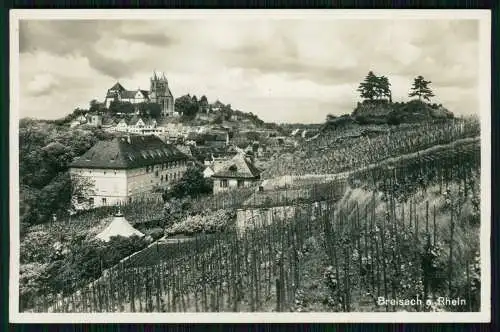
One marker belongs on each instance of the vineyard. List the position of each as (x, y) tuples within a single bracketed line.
[(408, 230), (338, 151)]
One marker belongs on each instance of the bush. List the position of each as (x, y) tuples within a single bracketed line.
[(37, 247), (214, 222), (191, 184), (155, 233)]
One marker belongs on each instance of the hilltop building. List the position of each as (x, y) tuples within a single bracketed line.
[(127, 168), (159, 93)]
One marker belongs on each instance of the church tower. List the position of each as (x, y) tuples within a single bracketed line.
[(160, 93)]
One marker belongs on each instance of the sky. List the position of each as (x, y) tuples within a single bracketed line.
[(283, 70)]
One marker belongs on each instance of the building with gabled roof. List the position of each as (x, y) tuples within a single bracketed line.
[(159, 93), (128, 167), (238, 172)]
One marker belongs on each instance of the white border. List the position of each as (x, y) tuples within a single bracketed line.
[(484, 93)]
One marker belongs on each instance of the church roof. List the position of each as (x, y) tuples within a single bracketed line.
[(238, 167), (128, 94), (117, 87), (128, 152)]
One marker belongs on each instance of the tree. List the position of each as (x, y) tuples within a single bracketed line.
[(186, 106), (383, 88), (421, 89), (375, 87), (82, 188), (149, 109), (121, 107), (330, 117), (45, 150), (191, 184), (94, 106), (367, 87)]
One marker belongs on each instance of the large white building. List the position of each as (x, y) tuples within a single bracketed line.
[(127, 168)]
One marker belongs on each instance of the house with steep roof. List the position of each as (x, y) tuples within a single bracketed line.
[(238, 172), (127, 168)]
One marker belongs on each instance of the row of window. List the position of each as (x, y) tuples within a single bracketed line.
[(224, 183), (167, 165), (172, 177)]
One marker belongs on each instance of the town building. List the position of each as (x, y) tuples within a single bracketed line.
[(126, 168), (238, 172), (94, 120), (159, 93)]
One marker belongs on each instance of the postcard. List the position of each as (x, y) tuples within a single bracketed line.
[(250, 166)]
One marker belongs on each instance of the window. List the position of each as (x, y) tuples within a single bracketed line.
[(156, 173), (80, 199), (223, 183), (104, 172), (91, 200), (103, 201), (161, 178), (130, 199), (241, 183)]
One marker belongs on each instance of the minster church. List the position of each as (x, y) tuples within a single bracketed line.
[(158, 93)]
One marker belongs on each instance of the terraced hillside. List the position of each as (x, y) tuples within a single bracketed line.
[(403, 231), (336, 151)]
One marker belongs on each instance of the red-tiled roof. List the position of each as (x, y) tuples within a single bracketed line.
[(128, 152)]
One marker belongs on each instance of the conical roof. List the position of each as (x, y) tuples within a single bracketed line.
[(118, 227)]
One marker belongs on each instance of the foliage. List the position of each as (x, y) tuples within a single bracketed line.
[(123, 107), (32, 280), (216, 221), (37, 247), (421, 89), (375, 87), (53, 270), (149, 109), (45, 151), (155, 233), (173, 211), (191, 184), (95, 106), (187, 106)]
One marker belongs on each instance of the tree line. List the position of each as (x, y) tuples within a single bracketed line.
[(379, 88)]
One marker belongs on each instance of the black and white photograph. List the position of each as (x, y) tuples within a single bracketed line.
[(250, 166)]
